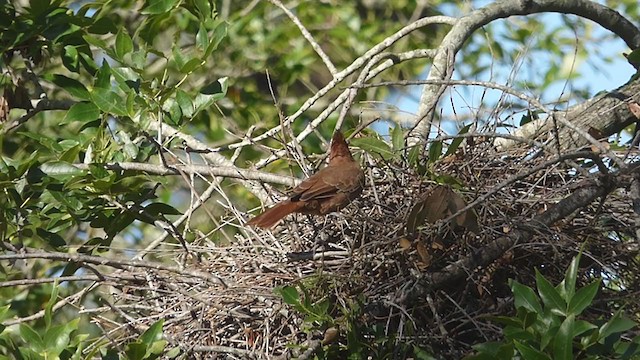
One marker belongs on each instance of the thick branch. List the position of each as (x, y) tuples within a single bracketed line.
[(608, 113), (464, 28)]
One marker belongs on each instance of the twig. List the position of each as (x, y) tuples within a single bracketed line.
[(224, 171), (307, 35), (116, 263)]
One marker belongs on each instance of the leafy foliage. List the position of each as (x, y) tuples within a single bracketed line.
[(548, 325)]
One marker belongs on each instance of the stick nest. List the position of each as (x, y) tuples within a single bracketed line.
[(363, 262)]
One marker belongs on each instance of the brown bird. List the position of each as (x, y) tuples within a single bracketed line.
[(328, 190)]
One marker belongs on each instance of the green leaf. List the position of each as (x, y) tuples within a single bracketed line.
[(139, 59), (60, 168), (84, 112), (53, 298), (154, 209), (414, 155), (495, 350), (153, 333), (185, 103), (455, 144), (563, 341), (397, 138), (136, 351), (202, 38), (126, 78), (4, 310), (550, 296), (219, 33), (581, 327), (179, 57), (109, 101), (506, 320), (525, 297), (204, 9), (158, 6), (156, 348), (570, 278), (103, 77), (583, 298), (70, 58), (529, 353), (31, 337), (173, 353), (616, 324), (103, 26), (191, 65), (511, 333), (374, 146), (211, 93), (72, 86), (57, 337), (435, 151), (289, 295), (124, 44), (119, 223), (52, 239)]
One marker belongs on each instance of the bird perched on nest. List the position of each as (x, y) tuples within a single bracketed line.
[(328, 190)]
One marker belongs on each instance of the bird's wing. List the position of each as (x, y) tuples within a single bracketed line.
[(316, 187), (328, 182)]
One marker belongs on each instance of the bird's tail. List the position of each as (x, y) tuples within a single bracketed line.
[(271, 216)]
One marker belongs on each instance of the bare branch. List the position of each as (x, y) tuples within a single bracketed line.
[(116, 263), (223, 171), (465, 26)]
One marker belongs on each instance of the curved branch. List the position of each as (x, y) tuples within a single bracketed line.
[(466, 25)]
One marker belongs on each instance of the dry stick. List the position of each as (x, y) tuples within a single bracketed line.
[(43, 105), (580, 198), (60, 279), (222, 171), (635, 198), (56, 306), (467, 25), (352, 92), (116, 263), (224, 350), (218, 160)]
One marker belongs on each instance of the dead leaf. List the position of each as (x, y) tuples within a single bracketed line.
[(437, 244), (405, 244), (330, 335), (438, 204), (634, 108), (467, 219), (430, 208), (424, 254)]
